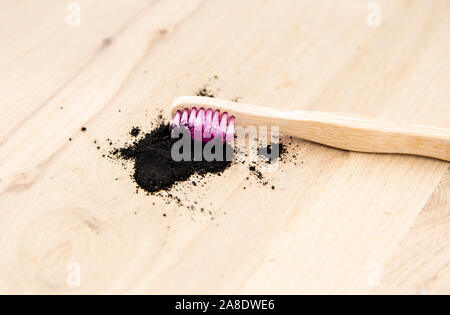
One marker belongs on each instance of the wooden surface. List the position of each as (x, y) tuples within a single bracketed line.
[(340, 222)]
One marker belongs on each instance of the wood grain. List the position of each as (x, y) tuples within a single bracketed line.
[(339, 222), (421, 264)]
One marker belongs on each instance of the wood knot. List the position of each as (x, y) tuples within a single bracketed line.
[(162, 31), (106, 41)]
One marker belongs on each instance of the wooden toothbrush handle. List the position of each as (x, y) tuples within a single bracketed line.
[(357, 133), (344, 131)]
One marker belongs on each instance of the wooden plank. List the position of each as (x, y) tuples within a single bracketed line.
[(421, 264)]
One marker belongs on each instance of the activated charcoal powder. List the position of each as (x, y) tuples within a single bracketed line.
[(155, 169)]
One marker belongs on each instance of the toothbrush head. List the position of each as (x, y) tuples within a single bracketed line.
[(205, 124)]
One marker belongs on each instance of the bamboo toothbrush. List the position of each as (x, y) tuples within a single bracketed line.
[(210, 117)]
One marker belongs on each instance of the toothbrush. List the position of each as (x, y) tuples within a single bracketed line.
[(208, 118)]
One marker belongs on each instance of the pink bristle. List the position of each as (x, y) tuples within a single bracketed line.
[(184, 117), (215, 124), (192, 117), (230, 130), (198, 125), (207, 126), (223, 126)]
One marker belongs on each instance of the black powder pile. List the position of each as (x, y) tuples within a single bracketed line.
[(154, 168)]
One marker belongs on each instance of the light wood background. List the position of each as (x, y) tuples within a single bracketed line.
[(341, 222)]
